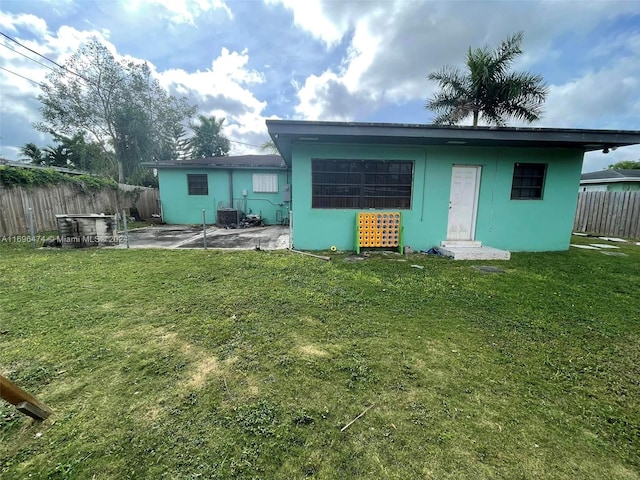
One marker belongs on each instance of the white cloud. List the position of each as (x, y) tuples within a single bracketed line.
[(67, 40), (179, 11), (314, 96), (394, 45), (591, 99), (19, 108), (11, 23), (232, 65), (607, 96), (367, 58), (228, 80), (224, 90), (313, 17)]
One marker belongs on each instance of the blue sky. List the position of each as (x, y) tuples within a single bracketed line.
[(349, 60)]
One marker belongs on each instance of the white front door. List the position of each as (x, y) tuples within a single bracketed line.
[(463, 202)]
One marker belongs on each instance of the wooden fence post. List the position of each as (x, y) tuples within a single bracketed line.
[(24, 402)]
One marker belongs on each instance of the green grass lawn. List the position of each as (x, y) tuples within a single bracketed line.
[(204, 364)]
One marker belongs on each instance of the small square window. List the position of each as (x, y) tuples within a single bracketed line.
[(198, 184), (528, 181)]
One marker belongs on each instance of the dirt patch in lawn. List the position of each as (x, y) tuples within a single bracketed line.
[(312, 351), (202, 371), (201, 364)]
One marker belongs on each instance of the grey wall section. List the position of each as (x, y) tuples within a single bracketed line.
[(615, 214), (60, 199)]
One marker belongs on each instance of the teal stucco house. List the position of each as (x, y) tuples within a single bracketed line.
[(513, 189), (226, 188)]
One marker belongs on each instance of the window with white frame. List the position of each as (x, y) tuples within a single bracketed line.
[(265, 183)]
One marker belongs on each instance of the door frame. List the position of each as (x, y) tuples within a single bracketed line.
[(474, 216)]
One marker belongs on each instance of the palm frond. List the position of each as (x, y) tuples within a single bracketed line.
[(488, 87), (507, 52)]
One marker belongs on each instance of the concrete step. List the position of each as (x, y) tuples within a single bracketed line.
[(461, 243), (475, 253)]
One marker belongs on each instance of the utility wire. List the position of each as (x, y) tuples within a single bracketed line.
[(247, 144), (18, 75), (65, 69), (27, 56), (42, 56), (32, 51)]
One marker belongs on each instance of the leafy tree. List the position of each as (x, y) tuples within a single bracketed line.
[(73, 152), (89, 156), (208, 140), (132, 141), (488, 88), (625, 165), (117, 104), (32, 152), (175, 145)]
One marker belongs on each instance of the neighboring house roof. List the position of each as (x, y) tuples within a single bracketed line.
[(610, 176), (10, 163), (226, 162), (287, 132)]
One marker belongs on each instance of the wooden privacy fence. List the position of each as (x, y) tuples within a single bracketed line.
[(144, 199), (60, 199), (616, 214)]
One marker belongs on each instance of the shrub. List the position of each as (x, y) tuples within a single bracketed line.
[(18, 177)]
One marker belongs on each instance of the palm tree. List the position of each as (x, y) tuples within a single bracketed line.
[(32, 152), (57, 156), (488, 88), (270, 147), (208, 140)]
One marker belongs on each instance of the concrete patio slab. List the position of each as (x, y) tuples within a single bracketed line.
[(613, 239), (585, 247), (614, 254), (602, 245), (274, 237)]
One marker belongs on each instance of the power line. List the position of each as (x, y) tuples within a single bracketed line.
[(18, 75), (31, 50), (247, 144), (27, 56), (42, 56), (65, 69)]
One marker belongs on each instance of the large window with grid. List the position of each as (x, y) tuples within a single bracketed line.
[(361, 183), (528, 181), (198, 184)]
